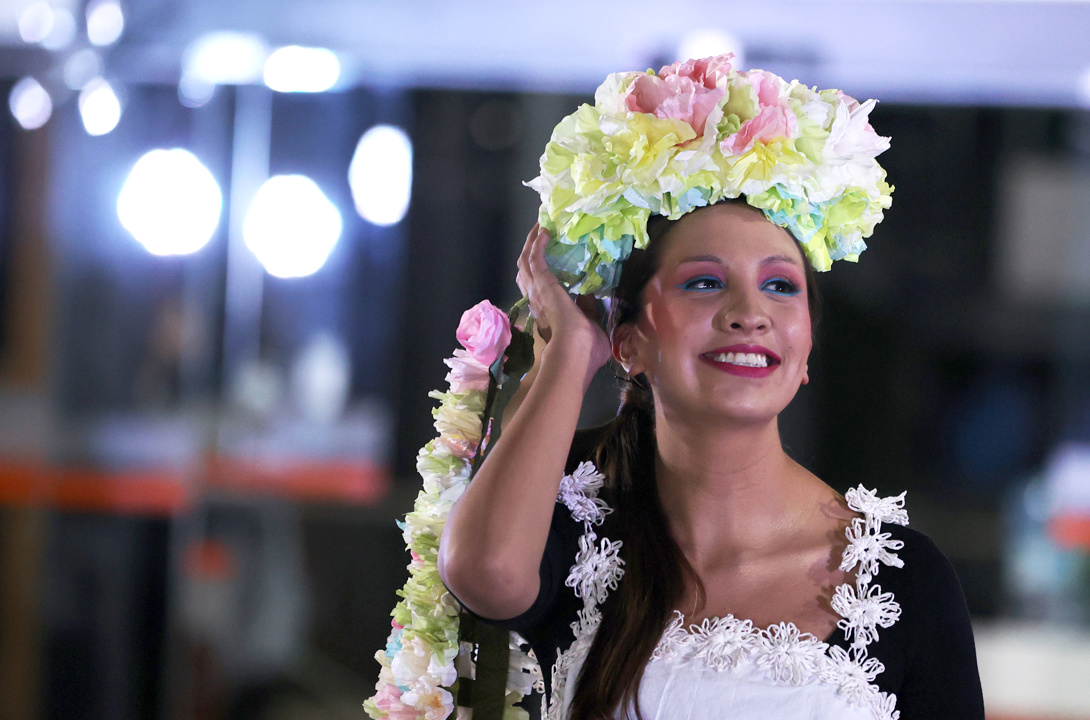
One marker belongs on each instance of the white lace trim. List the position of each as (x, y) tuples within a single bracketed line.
[(790, 656), (597, 570)]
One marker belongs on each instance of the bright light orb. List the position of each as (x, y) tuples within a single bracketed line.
[(105, 22), (83, 67), (1082, 90), (35, 22), (99, 107), (170, 202), (30, 103), (63, 31), (291, 226), (708, 42), (225, 58), (300, 69), (381, 175)]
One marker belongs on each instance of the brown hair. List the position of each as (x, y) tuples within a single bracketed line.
[(656, 570)]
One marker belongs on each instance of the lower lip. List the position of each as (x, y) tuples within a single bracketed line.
[(742, 370)]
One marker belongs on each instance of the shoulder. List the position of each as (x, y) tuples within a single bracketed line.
[(935, 656), (928, 577)]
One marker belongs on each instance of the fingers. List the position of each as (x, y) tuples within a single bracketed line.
[(524, 278)]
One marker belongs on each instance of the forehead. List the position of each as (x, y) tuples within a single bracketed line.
[(733, 232)]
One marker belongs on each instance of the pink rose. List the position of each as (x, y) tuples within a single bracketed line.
[(774, 120), (485, 332), (705, 71), (685, 91)]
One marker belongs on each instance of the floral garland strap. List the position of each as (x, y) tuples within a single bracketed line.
[(427, 663)]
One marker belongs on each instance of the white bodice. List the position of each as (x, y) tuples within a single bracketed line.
[(725, 663)]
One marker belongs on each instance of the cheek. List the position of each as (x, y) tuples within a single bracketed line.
[(801, 336)]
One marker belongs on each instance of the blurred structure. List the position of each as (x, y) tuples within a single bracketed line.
[(209, 412)]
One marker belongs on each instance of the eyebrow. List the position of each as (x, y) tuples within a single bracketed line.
[(771, 259)]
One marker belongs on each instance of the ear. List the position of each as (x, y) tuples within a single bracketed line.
[(624, 350), (806, 368)]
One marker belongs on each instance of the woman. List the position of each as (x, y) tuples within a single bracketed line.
[(728, 580)]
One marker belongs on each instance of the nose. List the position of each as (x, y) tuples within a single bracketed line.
[(744, 311)]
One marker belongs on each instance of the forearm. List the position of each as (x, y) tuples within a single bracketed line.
[(494, 537)]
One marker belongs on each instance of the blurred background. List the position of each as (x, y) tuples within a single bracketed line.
[(236, 239)]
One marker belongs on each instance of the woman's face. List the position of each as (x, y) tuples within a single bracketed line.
[(724, 329)]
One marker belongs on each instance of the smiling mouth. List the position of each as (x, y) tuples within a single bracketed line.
[(754, 360)]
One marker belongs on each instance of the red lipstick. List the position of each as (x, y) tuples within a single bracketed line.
[(718, 359)]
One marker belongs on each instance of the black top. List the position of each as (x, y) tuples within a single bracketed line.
[(928, 654)]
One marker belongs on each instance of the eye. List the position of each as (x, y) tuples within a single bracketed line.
[(781, 286), (703, 282)]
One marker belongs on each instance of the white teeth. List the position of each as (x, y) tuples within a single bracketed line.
[(745, 359)]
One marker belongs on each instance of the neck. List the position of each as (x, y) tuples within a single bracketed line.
[(725, 487)]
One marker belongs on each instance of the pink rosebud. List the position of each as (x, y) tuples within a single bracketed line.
[(485, 332)]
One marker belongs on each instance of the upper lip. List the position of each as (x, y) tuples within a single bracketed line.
[(758, 349)]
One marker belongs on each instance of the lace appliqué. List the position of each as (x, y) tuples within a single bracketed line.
[(579, 492), (597, 570), (788, 655)]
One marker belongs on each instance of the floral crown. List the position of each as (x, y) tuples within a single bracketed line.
[(691, 135)]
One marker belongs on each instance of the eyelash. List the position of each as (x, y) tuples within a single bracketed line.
[(783, 285), (789, 288)]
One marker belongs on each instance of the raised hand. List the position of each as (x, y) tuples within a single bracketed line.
[(571, 322)]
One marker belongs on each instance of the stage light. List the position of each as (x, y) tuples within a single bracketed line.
[(30, 103), (170, 202), (194, 92), (83, 67), (105, 22), (381, 175), (291, 226), (300, 69), (225, 58), (99, 107), (63, 31), (1082, 90), (705, 43), (35, 22)]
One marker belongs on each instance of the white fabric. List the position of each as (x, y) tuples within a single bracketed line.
[(693, 691), (725, 663)]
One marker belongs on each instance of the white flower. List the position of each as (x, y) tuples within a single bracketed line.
[(886, 510), (673, 640), (414, 664), (884, 705), (436, 702), (597, 569), (721, 642), (852, 679), (579, 492), (864, 613), (790, 656), (867, 547)]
